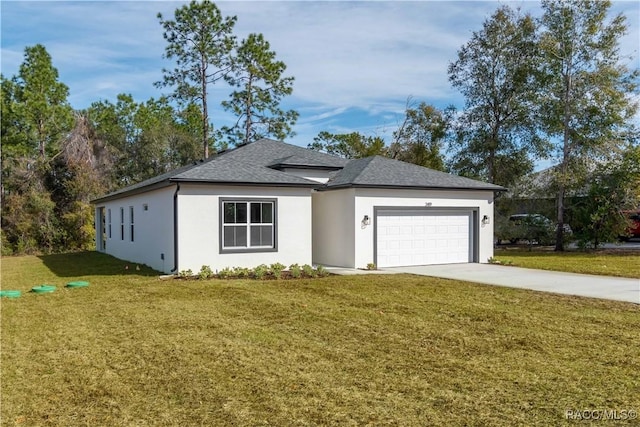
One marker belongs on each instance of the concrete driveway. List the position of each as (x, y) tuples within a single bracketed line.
[(585, 285)]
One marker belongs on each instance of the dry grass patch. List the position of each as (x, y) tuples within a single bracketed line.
[(609, 262), (359, 350)]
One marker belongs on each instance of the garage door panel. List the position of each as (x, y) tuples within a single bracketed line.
[(422, 239)]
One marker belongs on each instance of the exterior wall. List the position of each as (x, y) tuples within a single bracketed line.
[(199, 226), (153, 229), (366, 199), (331, 233), (334, 228)]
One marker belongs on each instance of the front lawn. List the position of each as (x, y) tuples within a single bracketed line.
[(403, 350), (608, 262)]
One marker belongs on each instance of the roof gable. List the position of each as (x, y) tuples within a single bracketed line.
[(267, 152)]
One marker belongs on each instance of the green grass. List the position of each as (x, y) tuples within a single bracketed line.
[(133, 350), (604, 262)]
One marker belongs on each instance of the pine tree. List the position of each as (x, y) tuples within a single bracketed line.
[(200, 41), (257, 75)]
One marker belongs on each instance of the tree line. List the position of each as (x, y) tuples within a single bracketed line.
[(554, 87)]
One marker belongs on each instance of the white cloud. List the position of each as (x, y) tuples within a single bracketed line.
[(354, 63)]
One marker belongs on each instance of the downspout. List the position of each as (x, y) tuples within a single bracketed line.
[(175, 229)]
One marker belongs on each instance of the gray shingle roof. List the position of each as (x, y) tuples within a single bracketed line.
[(257, 163), (382, 172), (246, 164), (229, 170)]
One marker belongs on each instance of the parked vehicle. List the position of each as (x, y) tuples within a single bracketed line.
[(633, 230), (538, 220), (532, 228)]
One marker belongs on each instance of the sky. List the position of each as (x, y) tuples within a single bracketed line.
[(355, 64)]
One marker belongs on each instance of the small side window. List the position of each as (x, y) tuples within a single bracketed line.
[(121, 223), (131, 222), (109, 221)]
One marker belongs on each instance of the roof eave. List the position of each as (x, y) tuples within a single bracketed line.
[(246, 183), (132, 192), (408, 187), (168, 182)]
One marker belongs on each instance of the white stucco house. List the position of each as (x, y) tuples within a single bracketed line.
[(268, 202)]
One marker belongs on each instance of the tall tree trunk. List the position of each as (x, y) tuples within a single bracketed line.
[(560, 219), (491, 164), (247, 125), (41, 143), (205, 112), (564, 165), (491, 170)]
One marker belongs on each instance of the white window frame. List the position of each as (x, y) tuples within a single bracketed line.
[(249, 224)]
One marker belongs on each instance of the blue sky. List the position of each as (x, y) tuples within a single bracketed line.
[(355, 63)]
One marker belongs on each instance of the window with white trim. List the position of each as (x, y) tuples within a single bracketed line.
[(248, 225)]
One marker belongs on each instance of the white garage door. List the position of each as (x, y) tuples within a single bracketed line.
[(419, 239)]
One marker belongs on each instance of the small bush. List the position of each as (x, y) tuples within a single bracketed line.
[(225, 273), (372, 266), (322, 272), (205, 272), (260, 272), (5, 247), (295, 271), (241, 272), (308, 270), (185, 274), (277, 269)]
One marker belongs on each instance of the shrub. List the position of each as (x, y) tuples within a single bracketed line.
[(225, 273), (205, 272), (5, 247), (322, 272), (308, 270), (372, 266), (277, 269), (241, 272), (261, 271), (295, 271), (185, 274)]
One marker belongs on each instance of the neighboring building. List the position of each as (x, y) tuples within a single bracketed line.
[(268, 202)]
